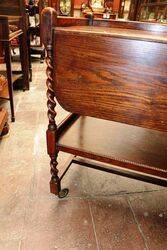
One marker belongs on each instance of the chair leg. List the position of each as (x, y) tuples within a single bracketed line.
[(42, 56), (24, 58), (29, 56), (9, 77)]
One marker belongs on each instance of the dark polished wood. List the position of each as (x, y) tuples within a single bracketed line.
[(51, 133), (113, 81)]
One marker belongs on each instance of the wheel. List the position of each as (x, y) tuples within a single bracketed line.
[(13, 119), (63, 193)]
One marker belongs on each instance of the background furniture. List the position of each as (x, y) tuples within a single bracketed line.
[(106, 78), (34, 12), (105, 11), (124, 8), (148, 10), (13, 12), (5, 38), (152, 10)]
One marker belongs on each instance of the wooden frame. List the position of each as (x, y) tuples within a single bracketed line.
[(125, 118)]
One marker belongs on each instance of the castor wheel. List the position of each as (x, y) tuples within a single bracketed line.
[(12, 119), (63, 193)]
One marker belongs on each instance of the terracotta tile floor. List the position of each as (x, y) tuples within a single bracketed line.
[(102, 211)]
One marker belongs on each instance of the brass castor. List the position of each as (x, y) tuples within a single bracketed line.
[(63, 193)]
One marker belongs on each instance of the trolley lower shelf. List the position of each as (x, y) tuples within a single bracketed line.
[(125, 146)]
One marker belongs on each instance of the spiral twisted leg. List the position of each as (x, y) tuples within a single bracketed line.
[(52, 128), (48, 21)]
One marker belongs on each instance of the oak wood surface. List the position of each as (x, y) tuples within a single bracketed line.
[(115, 77), (116, 32)]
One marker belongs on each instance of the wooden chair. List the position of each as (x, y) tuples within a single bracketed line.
[(112, 78), (13, 12)]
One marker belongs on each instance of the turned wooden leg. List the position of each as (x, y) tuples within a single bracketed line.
[(29, 55), (52, 152), (55, 185)]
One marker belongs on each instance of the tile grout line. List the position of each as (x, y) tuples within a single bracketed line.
[(94, 229), (138, 225), (20, 243), (101, 196)]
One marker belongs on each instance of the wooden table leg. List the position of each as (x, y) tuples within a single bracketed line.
[(9, 77), (29, 55), (24, 60)]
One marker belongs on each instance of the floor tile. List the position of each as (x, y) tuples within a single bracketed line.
[(59, 224), (12, 217), (10, 245), (151, 213), (16, 181), (114, 225)]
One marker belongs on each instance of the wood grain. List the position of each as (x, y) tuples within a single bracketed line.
[(115, 78)]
